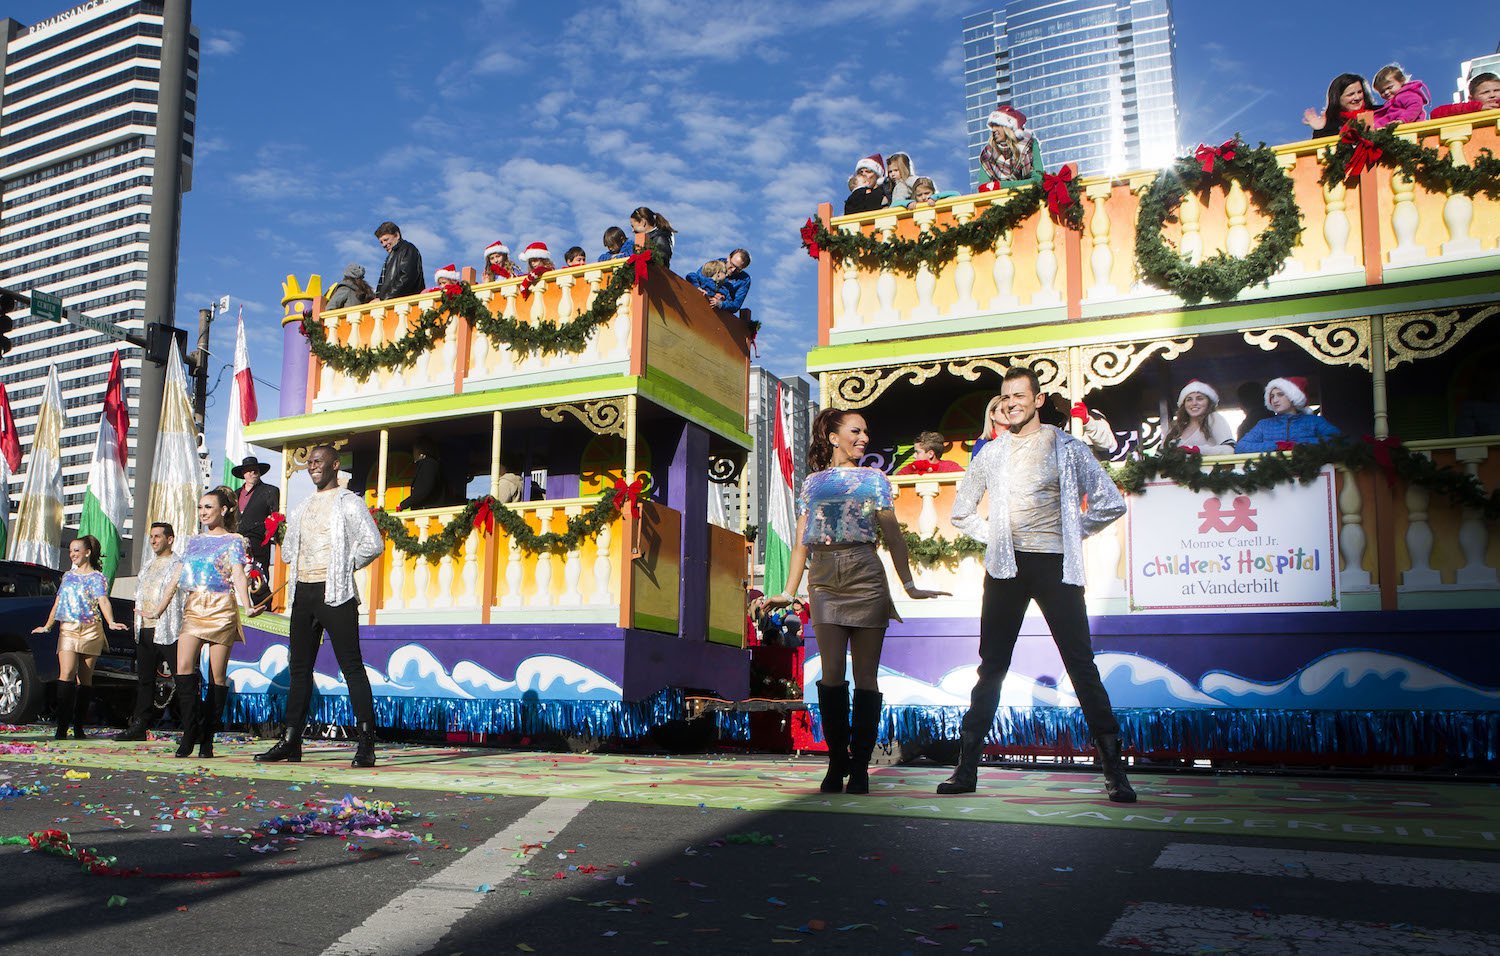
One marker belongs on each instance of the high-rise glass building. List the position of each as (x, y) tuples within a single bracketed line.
[(762, 428), (78, 120), (1096, 79)]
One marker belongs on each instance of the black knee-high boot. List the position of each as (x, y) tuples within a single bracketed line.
[(67, 691), (188, 712), (833, 711), (218, 696), (81, 709), (864, 727)]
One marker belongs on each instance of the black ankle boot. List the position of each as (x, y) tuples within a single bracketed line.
[(218, 696), (833, 711), (965, 778), (188, 712), (67, 692), (136, 731), (364, 748), (864, 727), (288, 748), (1112, 764), (81, 709)]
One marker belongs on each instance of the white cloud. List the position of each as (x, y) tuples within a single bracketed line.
[(223, 43)]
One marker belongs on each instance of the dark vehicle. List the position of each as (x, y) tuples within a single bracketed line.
[(28, 662)]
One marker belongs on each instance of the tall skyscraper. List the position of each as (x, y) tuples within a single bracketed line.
[(763, 430), (1096, 79), (78, 122)]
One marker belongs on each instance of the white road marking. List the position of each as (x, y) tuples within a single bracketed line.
[(1467, 875), (1174, 928), (412, 923)]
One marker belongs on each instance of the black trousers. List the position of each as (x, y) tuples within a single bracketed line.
[(311, 617), (149, 657), (1038, 578)]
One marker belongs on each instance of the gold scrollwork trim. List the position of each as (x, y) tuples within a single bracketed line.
[(1106, 365), (296, 456), (1333, 343), (857, 388), (1415, 335), (1051, 368), (607, 416)]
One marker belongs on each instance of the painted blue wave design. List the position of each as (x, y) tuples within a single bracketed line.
[(413, 671)]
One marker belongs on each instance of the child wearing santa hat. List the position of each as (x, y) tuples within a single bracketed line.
[(538, 258), (1198, 423), (1013, 156), (497, 263), (1290, 421), (868, 192), (444, 276)]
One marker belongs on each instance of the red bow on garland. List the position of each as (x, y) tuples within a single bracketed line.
[(1056, 188), (810, 238), (628, 494), (639, 260), (452, 290), (274, 521), (1366, 153), (1381, 447), (484, 515), (1188, 449), (1285, 445), (1207, 155), (1079, 411)]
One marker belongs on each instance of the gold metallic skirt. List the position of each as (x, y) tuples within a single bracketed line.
[(848, 588), (86, 639), (211, 617)]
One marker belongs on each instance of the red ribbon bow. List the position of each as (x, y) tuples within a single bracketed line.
[(274, 521), (484, 515), (1207, 155), (1366, 153), (1285, 445), (1079, 411), (630, 494), (810, 238), (1056, 188), (452, 290), (639, 260), (1188, 449), (1381, 447)]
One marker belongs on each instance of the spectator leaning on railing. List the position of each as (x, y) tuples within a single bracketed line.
[(1290, 422), (402, 272)]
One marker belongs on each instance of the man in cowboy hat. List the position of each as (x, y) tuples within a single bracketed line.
[(257, 502)]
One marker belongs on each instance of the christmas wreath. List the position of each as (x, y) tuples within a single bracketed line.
[(1059, 192), (1221, 277), (1359, 148)]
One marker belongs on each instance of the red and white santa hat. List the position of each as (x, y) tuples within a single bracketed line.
[(1292, 386), (537, 250), (1008, 116), (874, 163), (1202, 388), (448, 273), (498, 247)]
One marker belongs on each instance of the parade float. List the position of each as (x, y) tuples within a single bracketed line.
[(1331, 603), (591, 605)]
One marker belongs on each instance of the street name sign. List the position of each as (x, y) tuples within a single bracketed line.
[(46, 306)]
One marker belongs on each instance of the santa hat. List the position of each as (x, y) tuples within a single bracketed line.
[(1202, 388), (874, 164), (1293, 387), (1008, 116), (537, 250), (498, 246), (448, 273)]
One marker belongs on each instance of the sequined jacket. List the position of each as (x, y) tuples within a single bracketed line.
[(152, 581), (355, 543), (1083, 481)]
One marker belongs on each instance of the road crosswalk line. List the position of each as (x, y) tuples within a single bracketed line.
[(1414, 871)]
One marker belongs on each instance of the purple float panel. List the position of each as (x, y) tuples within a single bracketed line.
[(294, 360), (687, 492)]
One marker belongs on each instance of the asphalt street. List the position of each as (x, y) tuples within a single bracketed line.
[(470, 872)]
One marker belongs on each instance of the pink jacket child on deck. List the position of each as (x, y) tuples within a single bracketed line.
[(1405, 100)]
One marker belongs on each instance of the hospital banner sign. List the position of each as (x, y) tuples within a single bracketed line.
[(1195, 551)]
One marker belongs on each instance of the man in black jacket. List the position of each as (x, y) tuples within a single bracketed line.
[(402, 272), (257, 502)]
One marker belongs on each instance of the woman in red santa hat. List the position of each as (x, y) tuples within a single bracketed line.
[(538, 258), (497, 263), (867, 193), (1198, 423), (1013, 156), (1290, 421)]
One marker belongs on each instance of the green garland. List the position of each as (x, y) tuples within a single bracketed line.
[(1221, 277), (581, 527), (939, 246), (926, 552), (1302, 463), (458, 299), (1423, 164)]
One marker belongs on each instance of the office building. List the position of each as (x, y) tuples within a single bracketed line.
[(763, 429), (1489, 63), (78, 123), (1096, 80)]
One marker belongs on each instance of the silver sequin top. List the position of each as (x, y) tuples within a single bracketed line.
[(208, 562), (79, 594), (354, 542), (1080, 479), (150, 585)]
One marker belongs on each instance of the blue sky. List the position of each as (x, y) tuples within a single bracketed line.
[(470, 121)]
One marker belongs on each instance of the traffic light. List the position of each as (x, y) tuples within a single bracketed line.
[(164, 342), (8, 302)]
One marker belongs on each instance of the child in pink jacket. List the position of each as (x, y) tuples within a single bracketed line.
[(1405, 100)]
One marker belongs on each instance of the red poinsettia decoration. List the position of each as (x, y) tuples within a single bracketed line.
[(1366, 153), (810, 238), (452, 290), (274, 522), (1208, 155), (1059, 196)]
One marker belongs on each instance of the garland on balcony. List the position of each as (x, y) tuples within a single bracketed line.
[(1302, 463), (1221, 277), (926, 552), (1060, 193), (487, 512), (1360, 148), (458, 299)]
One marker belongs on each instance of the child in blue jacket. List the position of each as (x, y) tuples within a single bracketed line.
[(1290, 421)]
